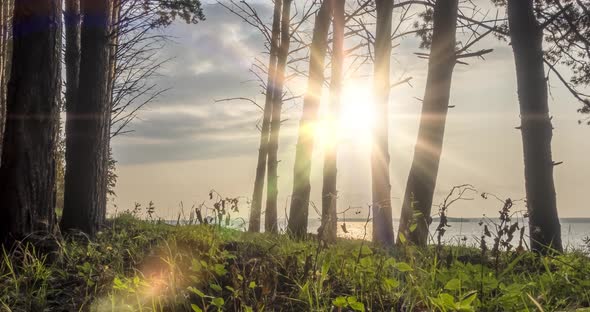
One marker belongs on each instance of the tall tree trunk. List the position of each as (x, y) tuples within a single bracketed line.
[(85, 199), (270, 217), (301, 181), (27, 175), (115, 32), (382, 215), (72, 52), (3, 37), (537, 131), (256, 209), (417, 204), (329, 190), (71, 59), (5, 57), (7, 68)]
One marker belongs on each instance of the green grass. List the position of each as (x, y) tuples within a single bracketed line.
[(146, 266)]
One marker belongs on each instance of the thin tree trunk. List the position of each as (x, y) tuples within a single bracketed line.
[(256, 209), (417, 204), (5, 15), (72, 59), (270, 217), (115, 29), (537, 131), (7, 66), (382, 215), (85, 199), (3, 30), (329, 190), (114, 48), (27, 175), (301, 176), (72, 51)]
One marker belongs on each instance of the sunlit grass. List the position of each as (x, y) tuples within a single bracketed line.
[(147, 266)]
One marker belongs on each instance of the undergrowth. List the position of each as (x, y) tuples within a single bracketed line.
[(150, 266)]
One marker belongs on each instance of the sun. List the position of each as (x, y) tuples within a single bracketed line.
[(355, 123)]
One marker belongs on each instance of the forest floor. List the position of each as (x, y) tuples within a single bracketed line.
[(149, 266)]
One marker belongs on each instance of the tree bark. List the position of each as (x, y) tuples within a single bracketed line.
[(299, 210), (72, 61), (5, 56), (3, 30), (329, 190), (86, 170), (72, 53), (256, 209), (114, 35), (421, 183), (381, 187), (270, 217), (27, 175), (536, 129)]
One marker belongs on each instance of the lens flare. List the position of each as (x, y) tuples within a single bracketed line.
[(353, 124)]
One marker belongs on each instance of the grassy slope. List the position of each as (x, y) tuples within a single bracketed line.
[(139, 266)]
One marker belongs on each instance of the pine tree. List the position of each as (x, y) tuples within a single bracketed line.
[(381, 187), (299, 210), (27, 174)]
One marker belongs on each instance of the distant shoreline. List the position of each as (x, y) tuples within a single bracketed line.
[(434, 220), (459, 219)]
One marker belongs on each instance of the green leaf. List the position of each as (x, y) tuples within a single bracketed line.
[(326, 265), (357, 306), (305, 290), (195, 266), (218, 302), (402, 267), (469, 297), (340, 302), (366, 251), (196, 308), (196, 291), (252, 285), (118, 284), (366, 262), (391, 283), (220, 270), (402, 238), (465, 304), (215, 287), (447, 300), (413, 227), (454, 284), (510, 268)]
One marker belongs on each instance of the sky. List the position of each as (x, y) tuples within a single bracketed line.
[(185, 143)]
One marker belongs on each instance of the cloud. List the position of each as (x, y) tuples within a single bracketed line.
[(195, 149), (211, 60), (208, 61)]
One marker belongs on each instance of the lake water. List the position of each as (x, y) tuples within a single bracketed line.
[(461, 231), (465, 231)]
